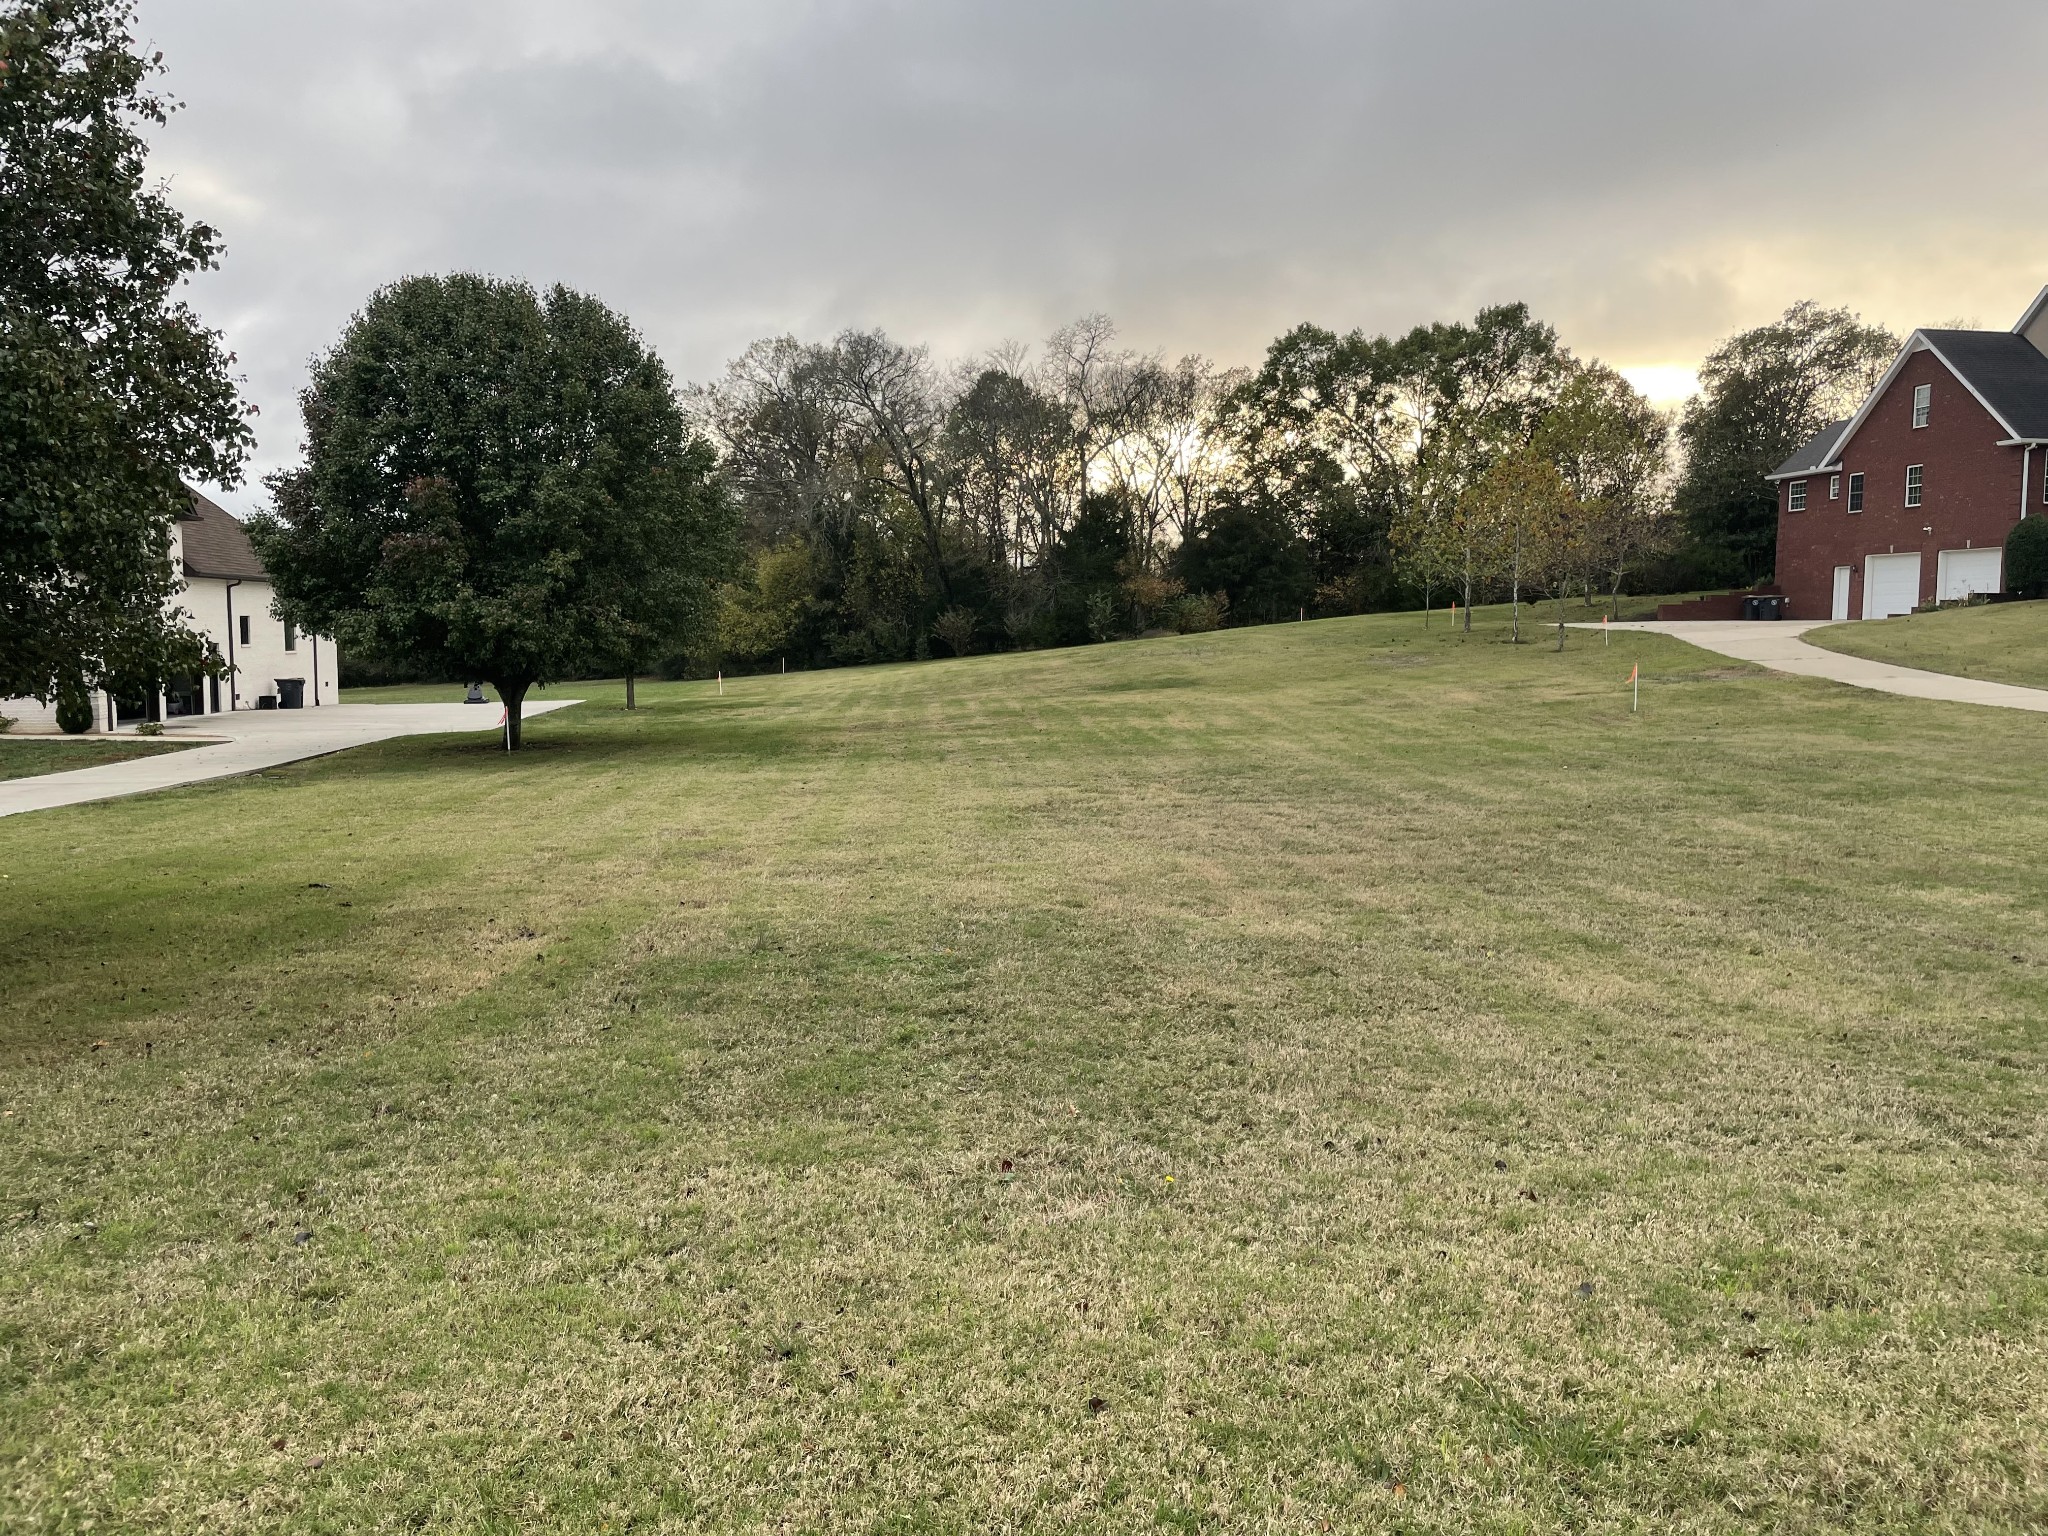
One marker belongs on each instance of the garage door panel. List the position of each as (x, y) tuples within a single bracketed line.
[(1965, 572), (1891, 585)]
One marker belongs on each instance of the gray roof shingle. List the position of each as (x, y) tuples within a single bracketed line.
[(2005, 369), (1812, 454)]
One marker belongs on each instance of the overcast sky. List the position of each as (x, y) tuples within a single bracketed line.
[(1649, 176)]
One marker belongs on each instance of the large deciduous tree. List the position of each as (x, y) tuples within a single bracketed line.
[(1762, 394), (1354, 436), (1614, 450), (499, 485), (1523, 519), (111, 391)]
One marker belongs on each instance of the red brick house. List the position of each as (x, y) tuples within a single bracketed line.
[(1910, 499)]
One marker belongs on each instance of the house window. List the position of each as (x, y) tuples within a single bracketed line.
[(1916, 480), (1923, 404), (245, 629), (291, 636), (1834, 487), (1856, 493), (1796, 497)]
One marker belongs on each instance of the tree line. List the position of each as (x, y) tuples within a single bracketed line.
[(503, 483), (894, 508)]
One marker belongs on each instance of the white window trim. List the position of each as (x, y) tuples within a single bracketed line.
[(1795, 496), (1834, 487), (1856, 489), (1916, 494), (1923, 405)]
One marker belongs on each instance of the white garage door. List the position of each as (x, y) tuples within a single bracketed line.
[(1891, 584), (1962, 573)]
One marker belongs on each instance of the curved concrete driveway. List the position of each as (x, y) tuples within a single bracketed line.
[(253, 740), (1780, 647)]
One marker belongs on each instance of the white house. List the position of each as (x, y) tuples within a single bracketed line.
[(227, 597)]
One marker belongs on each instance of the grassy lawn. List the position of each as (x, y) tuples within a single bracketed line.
[(24, 757), (1331, 1076), (2000, 642)]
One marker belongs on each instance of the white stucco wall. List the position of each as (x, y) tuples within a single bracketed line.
[(216, 611), (217, 608)]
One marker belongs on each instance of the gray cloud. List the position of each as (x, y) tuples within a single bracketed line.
[(1649, 175)]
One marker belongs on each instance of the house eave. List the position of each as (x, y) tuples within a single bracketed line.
[(2033, 313)]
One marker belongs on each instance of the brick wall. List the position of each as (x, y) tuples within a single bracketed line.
[(1972, 493)]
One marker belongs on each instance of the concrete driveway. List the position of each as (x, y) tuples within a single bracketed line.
[(251, 740), (1780, 647)]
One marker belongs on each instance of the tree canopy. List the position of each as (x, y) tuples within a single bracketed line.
[(1763, 393), (111, 391), (500, 485)]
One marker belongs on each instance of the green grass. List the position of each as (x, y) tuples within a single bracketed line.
[(24, 757), (1329, 1074), (1999, 642)]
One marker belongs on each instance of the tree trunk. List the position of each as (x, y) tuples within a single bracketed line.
[(1560, 618), (1468, 591), (514, 696), (1515, 624), (629, 690)]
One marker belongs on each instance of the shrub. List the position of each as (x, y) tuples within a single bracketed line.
[(74, 709), (1102, 616), (7, 723), (150, 728), (2026, 558), (954, 629), (1196, 615)]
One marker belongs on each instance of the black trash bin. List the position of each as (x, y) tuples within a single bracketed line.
[(1749, 607), (291, 693)]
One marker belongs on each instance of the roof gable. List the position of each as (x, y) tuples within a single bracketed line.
[(2029, 324), (216, 544), (2005, 371), (2001, 370)]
